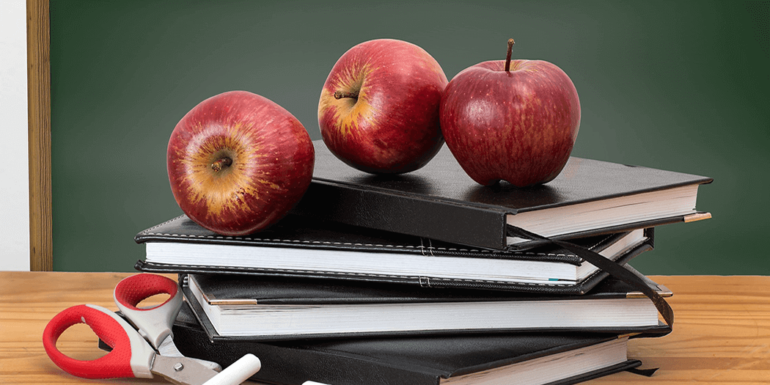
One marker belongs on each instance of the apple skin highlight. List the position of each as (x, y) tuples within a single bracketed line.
[(518, 126), (238, 162), (392, 125)]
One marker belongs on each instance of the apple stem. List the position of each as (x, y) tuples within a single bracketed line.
[(508, 57), (339, 95), (221, 163)]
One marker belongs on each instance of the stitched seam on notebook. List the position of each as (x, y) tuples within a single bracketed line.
[(429, 248), (147, 232), (209, 268), (601, 241)]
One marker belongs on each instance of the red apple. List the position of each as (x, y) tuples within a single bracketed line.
[(379, 107), (516, 124), (238, 162)]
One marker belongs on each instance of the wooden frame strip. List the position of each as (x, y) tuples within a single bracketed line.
[(39, 132)]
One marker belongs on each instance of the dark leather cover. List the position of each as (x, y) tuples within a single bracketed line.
[(400, 360), (609, 288), (313, 233), (439, 201)]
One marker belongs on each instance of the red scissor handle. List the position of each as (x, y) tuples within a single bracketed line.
[(154, 323), (131, 356), (132, 290)]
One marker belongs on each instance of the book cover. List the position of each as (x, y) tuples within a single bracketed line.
[(429, 360), (252, 308), (441, 202), (310, 248)]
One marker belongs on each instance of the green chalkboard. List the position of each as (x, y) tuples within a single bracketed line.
[(678, 85)]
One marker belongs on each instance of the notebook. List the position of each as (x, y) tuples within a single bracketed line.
[(305, 247), (260, 308), (528, 358), (441, 202)]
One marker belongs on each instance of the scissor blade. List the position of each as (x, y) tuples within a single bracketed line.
[(182, 370), (167, 348)]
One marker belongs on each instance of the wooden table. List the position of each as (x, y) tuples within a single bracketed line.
[(721, 335)]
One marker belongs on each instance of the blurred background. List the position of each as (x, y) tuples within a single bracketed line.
[(675, 85)]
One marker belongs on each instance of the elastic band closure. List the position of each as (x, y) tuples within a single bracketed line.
[(611, 267), (643, 372)]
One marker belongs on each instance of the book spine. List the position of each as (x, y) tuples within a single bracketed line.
[(429, 218)]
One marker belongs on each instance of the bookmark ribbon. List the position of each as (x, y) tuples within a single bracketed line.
[(607, 265)]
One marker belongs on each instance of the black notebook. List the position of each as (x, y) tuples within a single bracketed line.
[(305, 247), (275, 308), (536, 358), (441, 202)]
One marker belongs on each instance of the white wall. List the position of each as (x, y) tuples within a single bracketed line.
[(14, 172)]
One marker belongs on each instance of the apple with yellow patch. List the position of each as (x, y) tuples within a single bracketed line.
[(238, 162), (379, 107)]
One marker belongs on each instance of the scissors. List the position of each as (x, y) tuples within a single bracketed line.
[(147, 350)]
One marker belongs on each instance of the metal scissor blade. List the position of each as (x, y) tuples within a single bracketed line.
[(182, 370), (167, 348)]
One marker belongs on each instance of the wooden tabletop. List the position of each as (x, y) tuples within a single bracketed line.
[(721, 334)]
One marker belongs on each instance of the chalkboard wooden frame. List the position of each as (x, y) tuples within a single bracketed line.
[(39, 135)]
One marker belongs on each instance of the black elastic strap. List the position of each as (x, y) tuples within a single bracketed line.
[(643, 372), (611, 267)]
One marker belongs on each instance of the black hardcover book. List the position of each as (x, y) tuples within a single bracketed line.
[(536, 358), (441, 202), (305, 247), (257, 308)]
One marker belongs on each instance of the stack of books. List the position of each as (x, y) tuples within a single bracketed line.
[(429, 278)]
